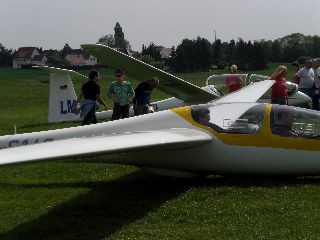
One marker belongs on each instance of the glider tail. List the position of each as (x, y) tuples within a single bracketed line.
[(61, 98)]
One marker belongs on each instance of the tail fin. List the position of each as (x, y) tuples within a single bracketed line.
[(62, 95)]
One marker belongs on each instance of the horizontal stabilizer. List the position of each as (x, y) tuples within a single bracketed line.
[(73, 74)]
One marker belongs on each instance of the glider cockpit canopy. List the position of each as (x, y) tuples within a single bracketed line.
[(244, 117), (248, 118)]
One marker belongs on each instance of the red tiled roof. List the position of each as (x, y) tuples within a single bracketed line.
[(24, 53)]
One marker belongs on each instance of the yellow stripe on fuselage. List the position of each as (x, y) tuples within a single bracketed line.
[(264, 138)]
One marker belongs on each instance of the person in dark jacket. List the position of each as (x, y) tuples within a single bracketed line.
[(141, 101)]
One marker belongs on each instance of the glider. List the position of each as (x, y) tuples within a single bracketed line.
[(232, 135)]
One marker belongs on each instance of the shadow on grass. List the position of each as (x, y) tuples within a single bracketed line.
[(110, 206), (106, 208), (244, 181)]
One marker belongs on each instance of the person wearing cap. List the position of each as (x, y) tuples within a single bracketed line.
[(317, 82), (296, 66), (141, 101), (306, 84)]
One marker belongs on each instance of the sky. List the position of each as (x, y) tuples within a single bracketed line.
[(52, 23)]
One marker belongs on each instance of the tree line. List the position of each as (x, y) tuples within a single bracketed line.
[(201, 55), (195, 55)]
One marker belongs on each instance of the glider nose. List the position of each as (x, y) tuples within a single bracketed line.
[(184, 112)]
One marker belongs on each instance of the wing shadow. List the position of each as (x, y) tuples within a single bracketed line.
[(110, 206), (105, 209)]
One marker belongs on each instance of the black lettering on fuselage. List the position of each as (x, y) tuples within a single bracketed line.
[(16, 143)]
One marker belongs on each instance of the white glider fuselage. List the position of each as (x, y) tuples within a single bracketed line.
[(218, 153)]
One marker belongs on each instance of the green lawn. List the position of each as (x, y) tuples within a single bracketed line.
[(67, 200)]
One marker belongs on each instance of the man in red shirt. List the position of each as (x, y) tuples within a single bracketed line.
[(279, 88), (233, 82)]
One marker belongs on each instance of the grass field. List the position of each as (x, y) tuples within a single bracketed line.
[(67, 200)]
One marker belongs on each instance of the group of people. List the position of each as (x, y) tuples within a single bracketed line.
[(307, 79), (123, 94), (120, 91)]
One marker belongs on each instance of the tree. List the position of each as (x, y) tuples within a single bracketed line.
[(293, 46), (276, 51), (249, 56), (193, 55), (204, 53), (107, 40), (228, 51), (153, 51), (5, 56), (183, 56), (119, 40), (116, 40), (259, 62), (65, 50), (147, 59), (316, 46), (217, 53), (172, 59), (239, 54), (266, 46)]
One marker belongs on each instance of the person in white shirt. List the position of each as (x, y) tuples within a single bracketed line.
[(306, 84), (317, 81)]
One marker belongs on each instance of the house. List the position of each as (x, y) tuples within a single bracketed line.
[(39, 60), (165, 53), (78, 57), (28, 56)]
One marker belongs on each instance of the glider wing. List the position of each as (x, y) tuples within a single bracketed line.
[(104, 145)]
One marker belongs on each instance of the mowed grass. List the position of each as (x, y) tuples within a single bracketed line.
[(68, 200)]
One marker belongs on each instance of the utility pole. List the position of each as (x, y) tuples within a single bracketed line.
[(215, 35)]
